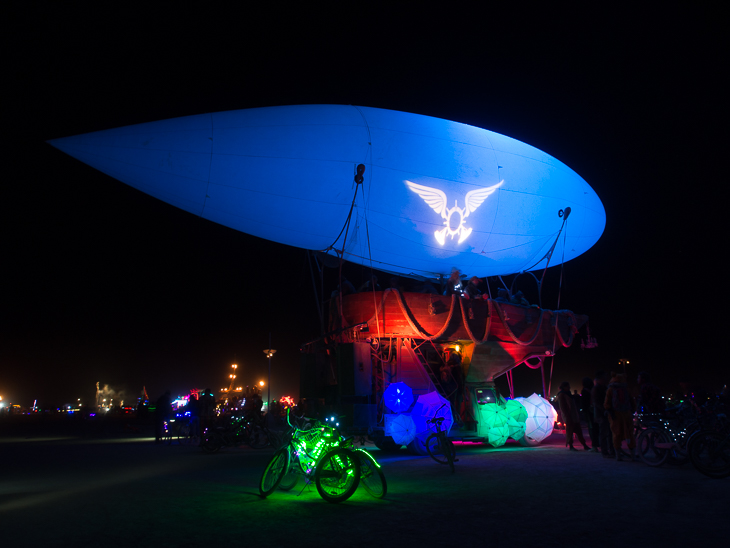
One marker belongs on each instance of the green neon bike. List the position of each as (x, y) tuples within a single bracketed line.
[(322, 455)]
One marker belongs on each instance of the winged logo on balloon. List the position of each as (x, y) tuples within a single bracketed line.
[(436, 199)]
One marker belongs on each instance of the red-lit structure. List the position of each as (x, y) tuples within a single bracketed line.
[(392, 336)]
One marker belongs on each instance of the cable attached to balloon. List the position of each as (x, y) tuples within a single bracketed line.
[(563, 214), (359, 178), (560, 289)]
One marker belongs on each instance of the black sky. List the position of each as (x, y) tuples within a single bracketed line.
[(103, 283)]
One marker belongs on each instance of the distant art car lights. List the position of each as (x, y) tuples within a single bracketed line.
[(541, 417)]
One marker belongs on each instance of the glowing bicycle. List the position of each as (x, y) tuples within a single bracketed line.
[(321, 454)]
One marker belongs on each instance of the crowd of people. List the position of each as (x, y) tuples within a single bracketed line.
[(606, 405), (204, 411)]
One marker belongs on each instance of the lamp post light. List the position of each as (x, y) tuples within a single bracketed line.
[(624, 362), (232, 376), (269, 352)]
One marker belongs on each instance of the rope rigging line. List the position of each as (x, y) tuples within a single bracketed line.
[(571, 325), (514, 337), (486, 329), (560, 289), (344, 226), (407, 314), (359, 171), (511, 385), (370, 256)]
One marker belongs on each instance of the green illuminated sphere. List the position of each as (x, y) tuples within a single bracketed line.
[(516, 410), (497, 436), (494, 415), (516, 429)]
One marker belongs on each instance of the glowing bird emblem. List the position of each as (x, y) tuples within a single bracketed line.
[(436, 199)]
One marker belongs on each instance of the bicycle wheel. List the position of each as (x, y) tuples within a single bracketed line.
[(291, 477), (649, 447), (440, 451), (417, 447), (678, 456), (371, 476), (274, 472), (710, 454), (337, 475)]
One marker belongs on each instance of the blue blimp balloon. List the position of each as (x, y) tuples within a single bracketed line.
[(433, 195)]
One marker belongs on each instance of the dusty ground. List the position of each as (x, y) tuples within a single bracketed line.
[(132, 492)]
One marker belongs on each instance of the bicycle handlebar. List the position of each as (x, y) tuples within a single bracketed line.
[(302, 418), (435, 418)]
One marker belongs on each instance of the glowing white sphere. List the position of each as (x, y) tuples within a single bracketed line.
[(541, 416)]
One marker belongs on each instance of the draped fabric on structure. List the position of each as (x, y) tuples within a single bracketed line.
[(503, 335)]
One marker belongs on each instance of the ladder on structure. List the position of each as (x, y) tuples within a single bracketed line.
[(413, 369)]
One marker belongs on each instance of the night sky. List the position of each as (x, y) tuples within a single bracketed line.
[(103, 283)]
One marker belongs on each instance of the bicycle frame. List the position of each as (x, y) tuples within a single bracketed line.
[(308, 446), (324, 457)]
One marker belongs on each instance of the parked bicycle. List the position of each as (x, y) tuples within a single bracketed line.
[(322, 455), (709, 452), (187, 429), (439, 447), (235, 432), (667, 436)]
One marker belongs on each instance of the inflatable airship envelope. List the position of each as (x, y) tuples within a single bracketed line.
[(431, 194)]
